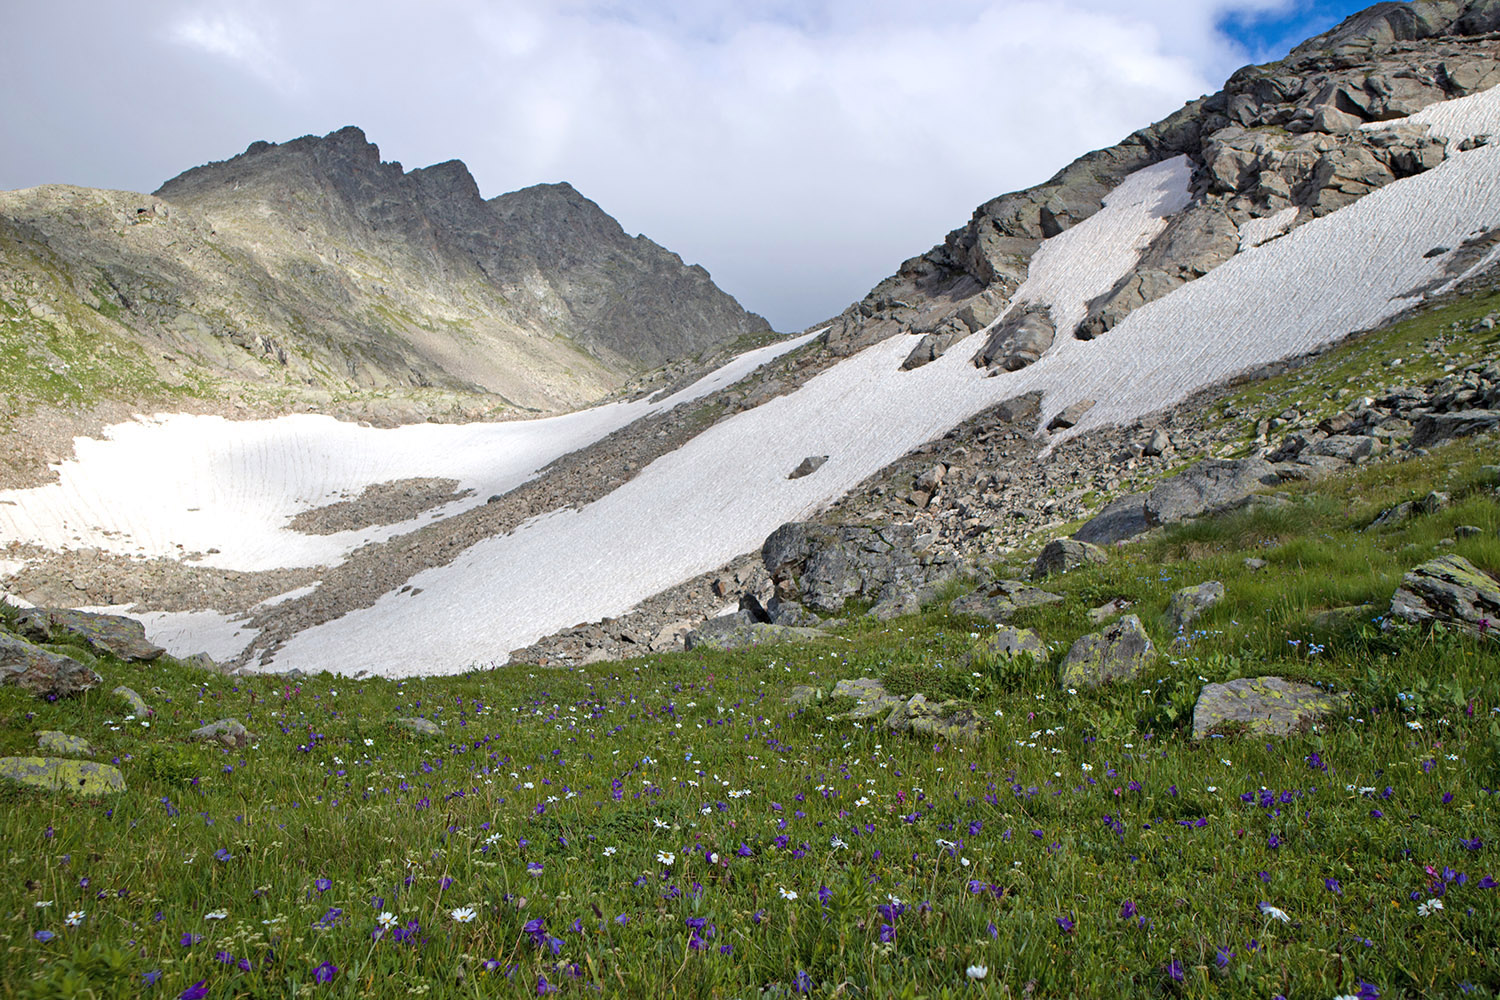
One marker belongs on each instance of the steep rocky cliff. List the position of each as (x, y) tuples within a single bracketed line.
[(1281, 144)]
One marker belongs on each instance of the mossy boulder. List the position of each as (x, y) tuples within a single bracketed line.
[(56, 774), (871, 698), (44, 674), (1119, 652), (419, 725), (1268, 706), (52, 741), (114, 634), (137, 704), (1452, 590), (229, 732)]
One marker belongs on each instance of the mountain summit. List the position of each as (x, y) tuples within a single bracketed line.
[(311, 274)]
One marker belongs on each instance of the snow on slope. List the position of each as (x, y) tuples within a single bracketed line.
[(725, 490), (1085, 262), (174, 484)]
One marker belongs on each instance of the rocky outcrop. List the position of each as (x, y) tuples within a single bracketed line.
[(1266, 706), (44, 674), (1119, 652), (1189, 603), (1450, 590), (1119, 521), (116, 635), (822, 566), (1064, 554), (1020, 339), (57, 774), (1208, 487)]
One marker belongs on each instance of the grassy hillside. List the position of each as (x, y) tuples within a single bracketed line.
[(671, 826)]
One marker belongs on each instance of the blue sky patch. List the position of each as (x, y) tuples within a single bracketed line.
[(1270, 36)]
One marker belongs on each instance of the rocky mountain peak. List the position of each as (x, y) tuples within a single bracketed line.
[(1377, 28)]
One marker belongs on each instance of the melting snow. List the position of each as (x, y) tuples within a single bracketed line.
[(725, 490), (1254, 232)]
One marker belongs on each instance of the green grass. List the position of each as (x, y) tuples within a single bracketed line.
[(1085, 847)]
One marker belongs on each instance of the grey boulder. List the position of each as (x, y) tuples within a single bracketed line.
[(114, 634), (1207, 487), (229, 732), (1189, 603), (1062, 555)]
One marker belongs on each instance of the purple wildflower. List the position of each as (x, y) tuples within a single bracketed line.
[(325, 973), (323, 884), (44, 935), (1066, 923), (1333, 886), (197, 991), (1127, 910), (150, 978), (1174, 969)]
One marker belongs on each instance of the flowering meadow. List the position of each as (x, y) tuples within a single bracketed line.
[(671, 826)]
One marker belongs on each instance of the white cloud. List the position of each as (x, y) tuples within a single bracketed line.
[(229, 33), (799, 149)]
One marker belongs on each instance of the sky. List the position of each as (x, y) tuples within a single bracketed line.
[(800, 150)]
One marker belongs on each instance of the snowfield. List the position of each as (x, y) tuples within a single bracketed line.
[(724, 491)]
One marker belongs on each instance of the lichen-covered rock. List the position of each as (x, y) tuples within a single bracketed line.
[(822, 566), (1449, 589), (946, 721), (996, 603), (56, 774), (1189, 603), (896, 603), (44, 674), (229, 732), (872, 699), (733, 632), (1119, 652), (419, 725), (137, 704), (1064, 554), (1268, 706), (114, 634), (53, 741), (1008, 643), (803, 695)]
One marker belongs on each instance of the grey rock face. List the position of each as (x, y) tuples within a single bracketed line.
[(1268, 706), (115, 634), (1070, 415), (1435, 428), (1063, 554), (1451, 590), (44, 674), (1209, 486), (1189, 603), (1119, 652), (1122, 520), (229, 732)]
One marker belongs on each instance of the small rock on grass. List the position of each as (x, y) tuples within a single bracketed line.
[(1255, 565), (137, 704), (1119, 652), (56, 774), (419, 725), (1189, 603), (53, 741), (229, 732), (1064, 554), (1008, 643), (1448, 589)]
